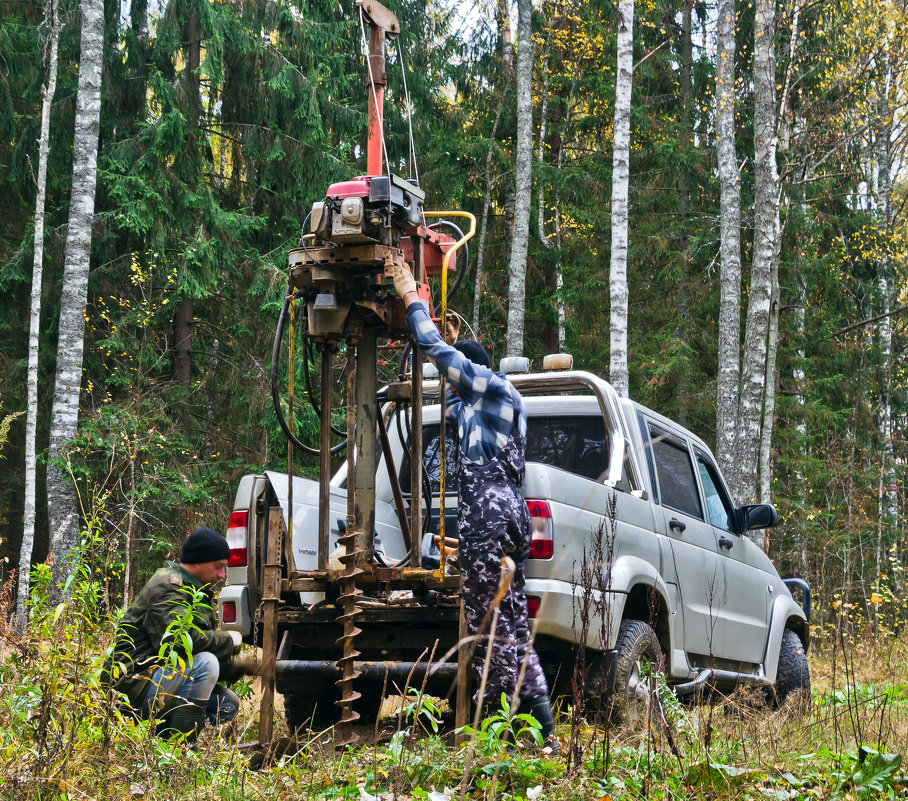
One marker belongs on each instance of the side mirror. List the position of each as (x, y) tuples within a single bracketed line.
[(757, 515)]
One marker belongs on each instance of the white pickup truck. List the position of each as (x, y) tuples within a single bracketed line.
[(678, 583)]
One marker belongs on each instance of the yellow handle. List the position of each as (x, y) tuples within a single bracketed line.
[(444, 311)]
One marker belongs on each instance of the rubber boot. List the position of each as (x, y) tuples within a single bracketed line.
[(541, 709), (186, 720)]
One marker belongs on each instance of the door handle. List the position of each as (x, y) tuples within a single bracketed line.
[(725, 544), (676, 525)]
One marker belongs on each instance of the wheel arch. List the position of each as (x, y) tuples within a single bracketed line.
[(786, 614), (646, 602)]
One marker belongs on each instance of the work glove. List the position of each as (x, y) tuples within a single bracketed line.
[(452, 327), (400, 273), (237, 640), (235, 669)]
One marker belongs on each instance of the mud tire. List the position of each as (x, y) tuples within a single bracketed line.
[(793, 675), (637, 646)]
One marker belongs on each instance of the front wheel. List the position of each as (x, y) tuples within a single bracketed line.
[(639, 657), (793, 675)]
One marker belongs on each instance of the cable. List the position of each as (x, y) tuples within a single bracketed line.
[(403, 72), (275, 393)]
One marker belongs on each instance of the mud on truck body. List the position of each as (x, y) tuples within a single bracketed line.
[(680, 583)]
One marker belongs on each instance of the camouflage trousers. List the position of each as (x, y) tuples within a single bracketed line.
[(496, 525), (511, 647)]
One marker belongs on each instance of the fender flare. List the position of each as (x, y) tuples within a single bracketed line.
[(784, 608), (629, 572)]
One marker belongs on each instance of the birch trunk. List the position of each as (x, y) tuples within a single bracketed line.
[(769, 406), (766, 231), (543, 122), (730, 244), (887, 523), (31, 416), (63, 512), (618, 371), (523, 186)]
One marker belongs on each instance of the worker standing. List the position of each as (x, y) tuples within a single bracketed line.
[(493, 520)]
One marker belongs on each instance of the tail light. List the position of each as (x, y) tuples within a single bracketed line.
[(228, 614), (542, 542), (533, 606), (236, 538)]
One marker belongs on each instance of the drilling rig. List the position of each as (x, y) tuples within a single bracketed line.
[(338, 302)]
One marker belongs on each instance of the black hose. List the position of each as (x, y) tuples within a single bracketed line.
[(275, 393)]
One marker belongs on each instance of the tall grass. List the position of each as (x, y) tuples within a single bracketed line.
[(63, 737)]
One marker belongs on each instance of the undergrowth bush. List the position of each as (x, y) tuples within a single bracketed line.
[(63, 737)]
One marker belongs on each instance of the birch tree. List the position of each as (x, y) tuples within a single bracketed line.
[(34, 324), (766, 235), (887, 515), (63, 511), (618, 371), (730, 242), (523, 181)]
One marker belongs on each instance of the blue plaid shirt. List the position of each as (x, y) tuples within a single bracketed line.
[(485, 410)]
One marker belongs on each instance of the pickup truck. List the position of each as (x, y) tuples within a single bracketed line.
[(678, 582)]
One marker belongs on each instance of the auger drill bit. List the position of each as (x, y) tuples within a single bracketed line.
[(347, 581), (349, 593)]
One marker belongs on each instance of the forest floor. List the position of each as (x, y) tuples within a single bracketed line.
[(60, 739)]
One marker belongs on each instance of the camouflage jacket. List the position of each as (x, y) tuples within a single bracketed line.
[(137, 648)]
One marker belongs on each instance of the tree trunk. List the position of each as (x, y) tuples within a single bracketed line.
[(766, 231), (769, 406), (543, 121), (682, 295), (887, 523), (484, 223), (31, 416), (63, 511), (730, 244), (523, 186), (618, 371), (183, 320)]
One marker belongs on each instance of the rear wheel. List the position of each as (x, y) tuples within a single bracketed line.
[(793, 675), (639, 657)]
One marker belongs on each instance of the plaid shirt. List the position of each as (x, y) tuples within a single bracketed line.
[(485, 410)]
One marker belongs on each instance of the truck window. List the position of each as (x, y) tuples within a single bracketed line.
[(677, 481), (718, 507), (577, 444)]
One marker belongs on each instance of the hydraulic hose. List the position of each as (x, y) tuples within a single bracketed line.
[(275, 392)]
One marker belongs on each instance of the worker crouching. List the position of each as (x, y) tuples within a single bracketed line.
[(169, 654)]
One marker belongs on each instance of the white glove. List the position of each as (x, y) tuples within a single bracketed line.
[(401, 275), (237, 640)]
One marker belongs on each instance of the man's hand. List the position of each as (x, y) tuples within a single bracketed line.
[(235, 669), (237, 640), (400, 273), (452, 328)]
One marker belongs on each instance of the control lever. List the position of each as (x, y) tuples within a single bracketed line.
[(677, 525)]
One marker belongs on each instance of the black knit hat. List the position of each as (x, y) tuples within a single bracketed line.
[(204, 545), (475, 352)]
